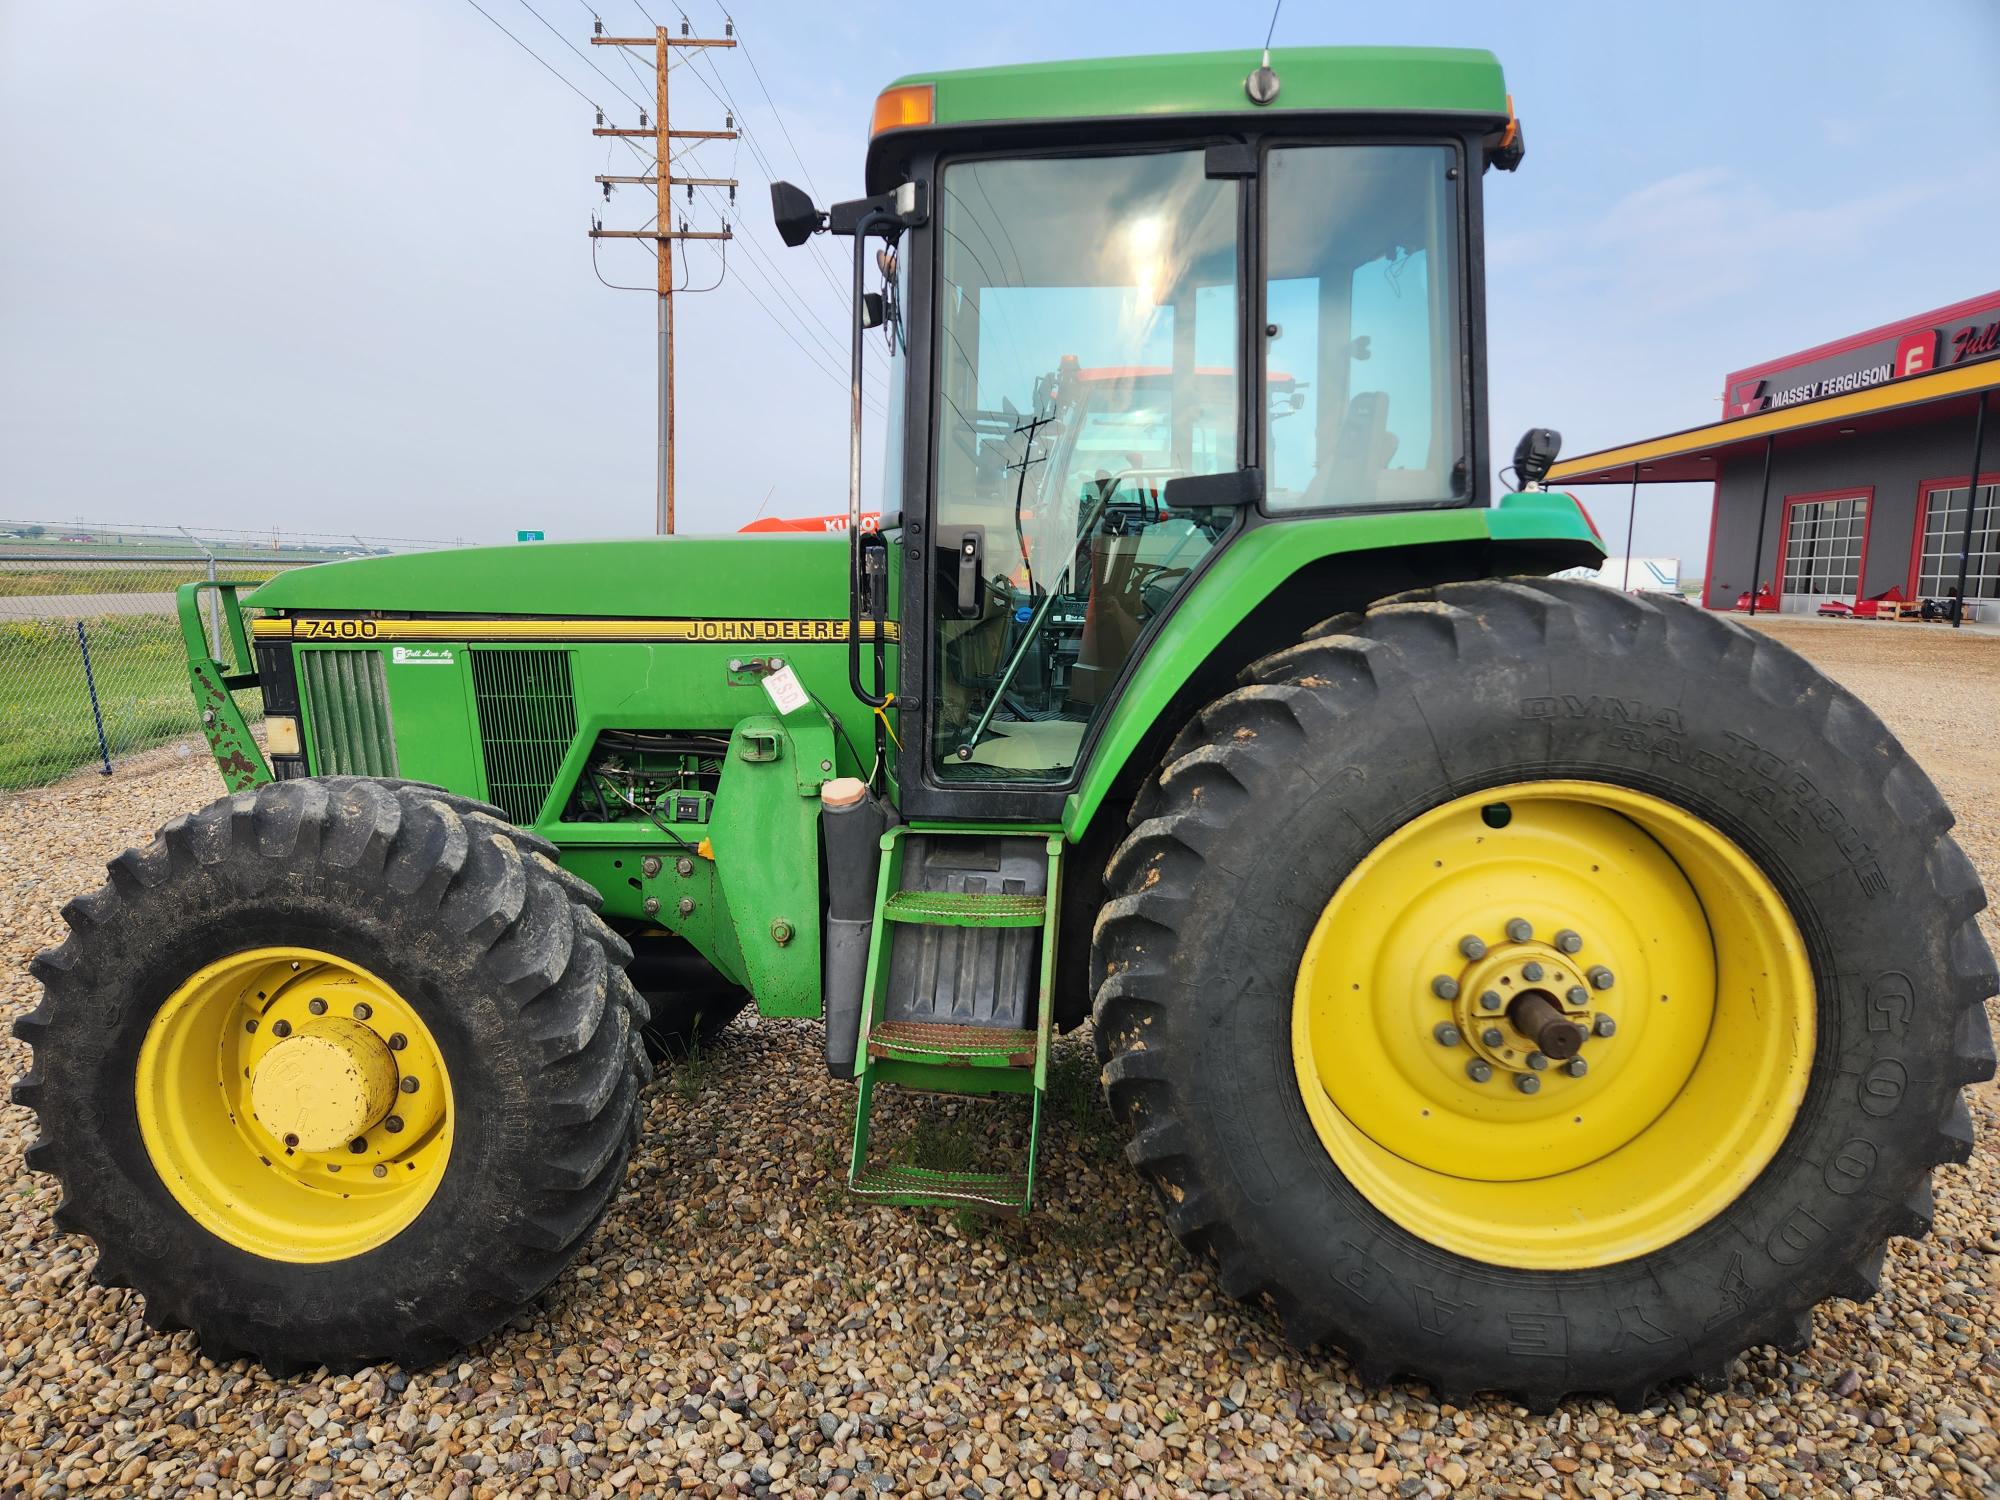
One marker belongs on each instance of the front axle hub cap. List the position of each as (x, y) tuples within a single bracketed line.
[(324, 1086), (1577, 1164)]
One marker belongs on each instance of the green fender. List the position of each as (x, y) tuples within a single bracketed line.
[(1252, 567)]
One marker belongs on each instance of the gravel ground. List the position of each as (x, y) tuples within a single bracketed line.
[(738, 1326)]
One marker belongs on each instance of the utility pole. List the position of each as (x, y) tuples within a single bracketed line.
[(663, 183)]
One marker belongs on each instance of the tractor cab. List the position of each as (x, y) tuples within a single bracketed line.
[(1119, 341)]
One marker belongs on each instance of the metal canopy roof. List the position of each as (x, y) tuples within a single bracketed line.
[(1697, 453)]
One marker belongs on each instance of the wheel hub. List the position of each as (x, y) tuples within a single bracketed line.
[(294, 1104), (1523, 1006), (325, 1085)]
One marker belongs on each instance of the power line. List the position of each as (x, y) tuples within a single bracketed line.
[(812, 354), (559, 78), (586, 61), (779, 116), (774, 277), (799, 306)]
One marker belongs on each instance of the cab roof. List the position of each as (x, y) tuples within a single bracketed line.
[(1464, 85)]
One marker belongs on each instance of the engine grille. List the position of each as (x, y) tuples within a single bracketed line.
[(347, 700), (527, 718)]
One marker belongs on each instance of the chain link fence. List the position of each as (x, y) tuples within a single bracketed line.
[(92, 667)]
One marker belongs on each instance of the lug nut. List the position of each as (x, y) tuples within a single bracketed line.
[(397, 1041), (316, 1005), (650, 866), (1527, 1083), (1578, 995), (1520, 930), (1605, 1026), (1537, 1061), (291, 1143), (1490, 1000), (393, 1124), (251, 1024), (1568, 942), (1446, 1034), (357, 1145), (1479, 1070), (281, 1028), (363, 1010), (684, 867), (686, 907), (1471, 946), (1531, 971), (1492, 1036), (652, 906), (1445, 987), (409, 1085), (1576, 1067), (381, 1170), (1600, 977)]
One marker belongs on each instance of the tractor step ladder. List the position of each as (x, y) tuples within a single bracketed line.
[(961, 966)]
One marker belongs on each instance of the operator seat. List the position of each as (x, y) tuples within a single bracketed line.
[(1361, 453)]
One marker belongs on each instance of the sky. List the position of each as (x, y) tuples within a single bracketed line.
[(324, 267)]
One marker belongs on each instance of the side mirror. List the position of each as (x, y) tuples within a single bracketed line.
[(871, 309), (1536, 454), (793, 211)]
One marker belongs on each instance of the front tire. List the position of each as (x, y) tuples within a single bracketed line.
[(335, 1071), (1278, 989)]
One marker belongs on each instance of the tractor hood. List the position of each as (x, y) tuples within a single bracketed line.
[(717, 577)]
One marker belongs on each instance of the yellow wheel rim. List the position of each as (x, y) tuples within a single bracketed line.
[(1638, 927), (294, 1104)]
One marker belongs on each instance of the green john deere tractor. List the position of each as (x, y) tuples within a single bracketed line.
[(1518, 984)]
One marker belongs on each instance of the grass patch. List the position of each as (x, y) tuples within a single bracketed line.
[(140, 669), (940, 1142), (1074, 1103), (691, 1074)]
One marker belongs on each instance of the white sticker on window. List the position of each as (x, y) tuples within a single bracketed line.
[(786, 690)]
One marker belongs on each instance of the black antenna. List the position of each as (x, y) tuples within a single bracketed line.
[(1262, 85)]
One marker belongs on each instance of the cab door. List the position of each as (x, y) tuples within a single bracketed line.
[(1086, 352)]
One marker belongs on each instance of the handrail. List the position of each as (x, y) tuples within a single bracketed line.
[(857, 579), (237, 754)]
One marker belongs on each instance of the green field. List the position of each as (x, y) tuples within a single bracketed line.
[(141, 673), (28, 580)]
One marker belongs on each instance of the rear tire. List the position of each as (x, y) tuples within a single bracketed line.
[(498, 957), (1270, 801)]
